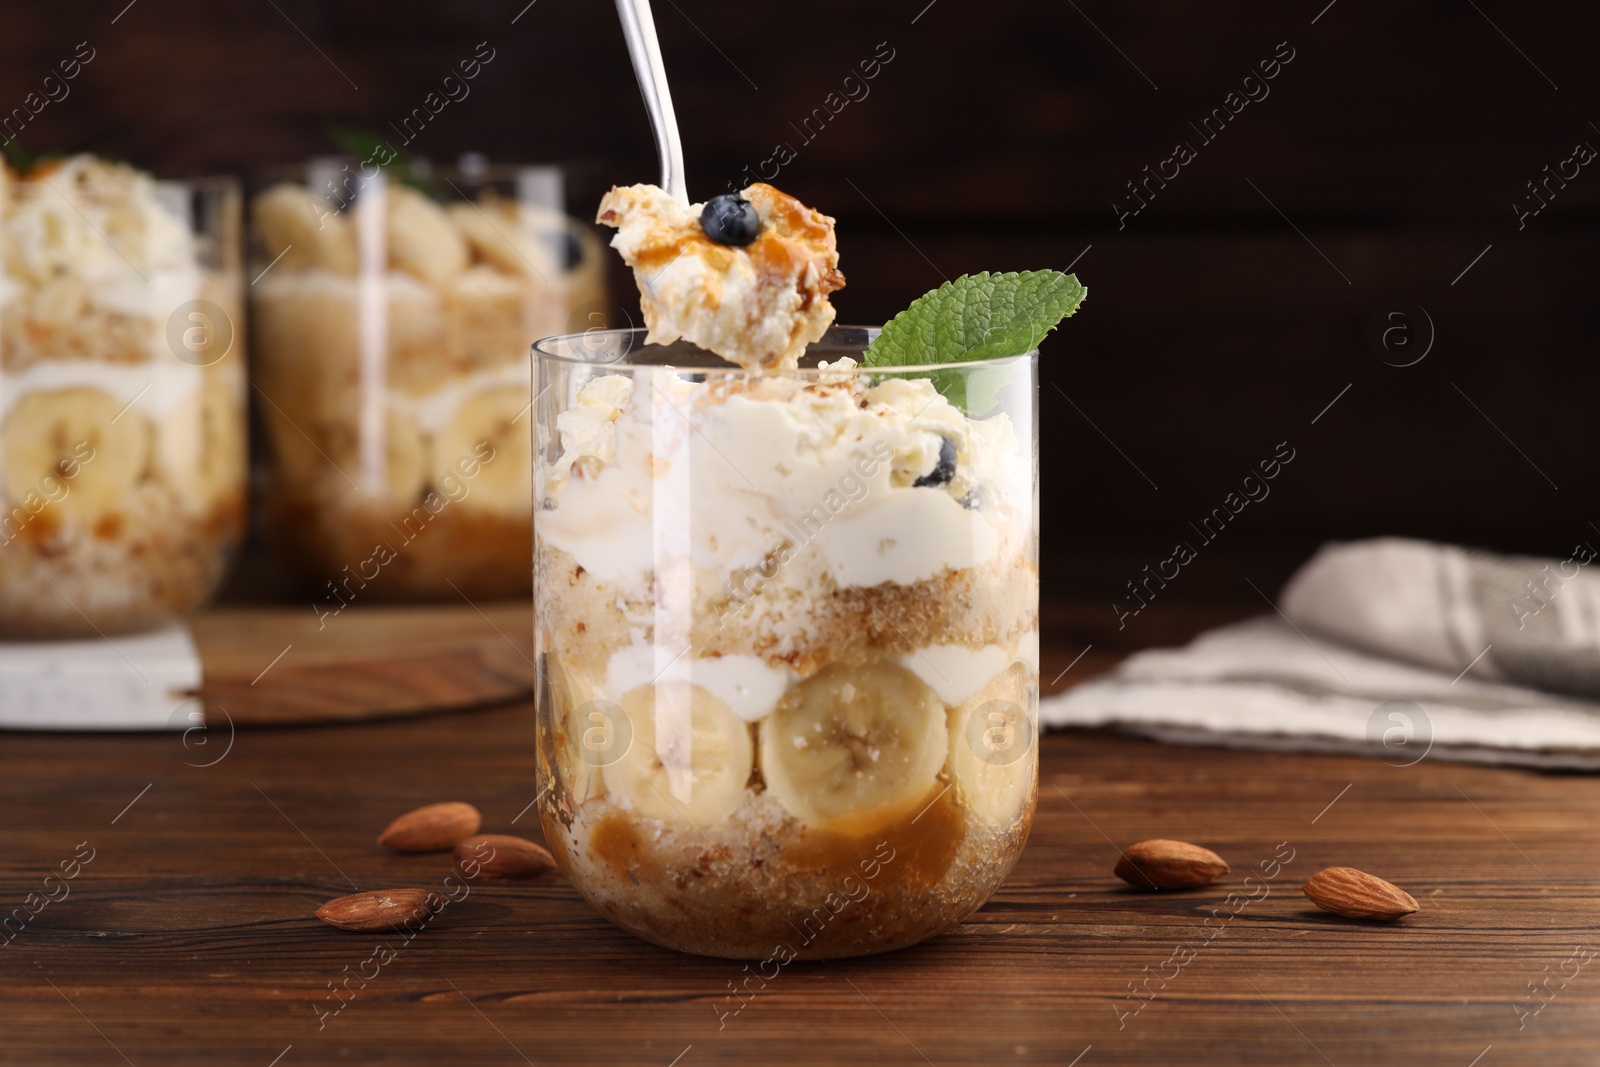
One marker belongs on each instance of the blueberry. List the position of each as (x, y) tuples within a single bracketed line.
[(973, 500), (944, 470), (730, 219), (565, 248)]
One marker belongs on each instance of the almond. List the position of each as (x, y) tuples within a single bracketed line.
[(380, 910), (1358, 895), (433, 828), (502, 856), (1162, 864)]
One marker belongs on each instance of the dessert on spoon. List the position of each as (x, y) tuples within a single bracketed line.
[(744, 275)]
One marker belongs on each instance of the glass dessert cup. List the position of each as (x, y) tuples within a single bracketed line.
[(392, 329), (787, 625), (122, 397)]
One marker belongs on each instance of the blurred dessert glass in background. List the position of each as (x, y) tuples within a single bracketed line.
[(122, 385), (393, 321)]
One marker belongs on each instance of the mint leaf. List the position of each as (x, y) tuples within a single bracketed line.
[(25, 162), (976, 317), (365, 146)]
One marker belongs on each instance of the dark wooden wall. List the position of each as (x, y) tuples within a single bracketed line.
[(1391, 149)]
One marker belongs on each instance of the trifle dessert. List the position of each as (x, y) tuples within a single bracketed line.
[(122, 396), (787, 591), (392, 331)]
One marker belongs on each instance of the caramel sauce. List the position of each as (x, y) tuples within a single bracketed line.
[(225, 521), (108, 526), (40, 528), (616, 842), (811, 894), (790, 215), (776, 257), (485, 555), (924, 845), (660, 256)]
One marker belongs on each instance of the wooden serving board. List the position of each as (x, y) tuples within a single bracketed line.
[(282, 665)]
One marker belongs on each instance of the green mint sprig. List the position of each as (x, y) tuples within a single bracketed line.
[(25, 162), (365, 146), (976, 317)]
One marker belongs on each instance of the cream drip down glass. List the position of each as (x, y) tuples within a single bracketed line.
[(787, 626)]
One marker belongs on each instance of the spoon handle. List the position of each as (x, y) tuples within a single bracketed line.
[(640, 30)]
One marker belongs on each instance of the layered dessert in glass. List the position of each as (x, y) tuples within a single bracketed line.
[(786, 603), (122, 396), (392, 326)]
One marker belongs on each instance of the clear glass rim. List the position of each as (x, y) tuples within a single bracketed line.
[(590, 343)]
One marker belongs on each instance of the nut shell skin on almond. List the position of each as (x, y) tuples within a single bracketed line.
[(759, 305)]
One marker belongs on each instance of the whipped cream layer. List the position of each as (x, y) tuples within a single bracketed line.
[(747, 684), (957, 672), (376, 312), (84, 239), (125, 235), (433, 411), (725, 476), (157, 388), (752, 687)]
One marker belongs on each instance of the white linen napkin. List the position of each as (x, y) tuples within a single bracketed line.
[(1535, 621), (142, 682), (1390, 647)]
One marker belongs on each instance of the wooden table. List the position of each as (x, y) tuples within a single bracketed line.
[(189, 937)]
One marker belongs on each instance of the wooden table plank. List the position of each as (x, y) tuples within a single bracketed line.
[(189, 938)]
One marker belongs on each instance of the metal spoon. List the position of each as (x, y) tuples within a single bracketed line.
[(640, 29)]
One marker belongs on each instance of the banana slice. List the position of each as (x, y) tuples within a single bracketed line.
[(690, 755), (200, 447), (405, 462), (994, 751), (304, 229), (51, 434), (421, 238), (589, 733), (309, 454), (296, 460), (854, 748), (492, 431), (500, 240)]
